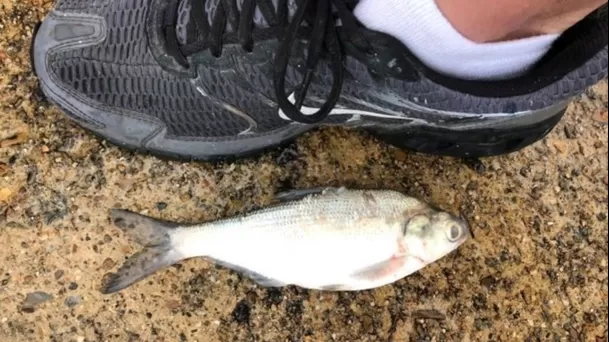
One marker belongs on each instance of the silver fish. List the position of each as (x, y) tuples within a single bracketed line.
[(325, 238)]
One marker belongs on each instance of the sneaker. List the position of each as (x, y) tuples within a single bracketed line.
[(208, 79)]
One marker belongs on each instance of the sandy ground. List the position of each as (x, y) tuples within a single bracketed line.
[(536, 271)]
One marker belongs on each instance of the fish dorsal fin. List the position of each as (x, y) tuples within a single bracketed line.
[(298, 194)]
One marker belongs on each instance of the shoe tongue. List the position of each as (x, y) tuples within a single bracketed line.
[(186, 27)]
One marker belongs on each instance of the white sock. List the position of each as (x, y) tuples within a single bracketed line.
[(421, 26)]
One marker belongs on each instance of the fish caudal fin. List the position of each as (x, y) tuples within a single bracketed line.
[(158, 252)]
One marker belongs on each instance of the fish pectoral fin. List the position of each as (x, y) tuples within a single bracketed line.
[(382, 269), (258, 278), (298, 194)]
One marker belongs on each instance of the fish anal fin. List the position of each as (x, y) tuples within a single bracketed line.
[(258, 278)]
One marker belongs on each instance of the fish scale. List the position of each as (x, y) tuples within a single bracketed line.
[(328, 238)]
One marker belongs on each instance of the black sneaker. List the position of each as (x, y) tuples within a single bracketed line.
[(205, 79)]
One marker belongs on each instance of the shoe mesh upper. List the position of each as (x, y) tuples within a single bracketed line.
[(121, 74)]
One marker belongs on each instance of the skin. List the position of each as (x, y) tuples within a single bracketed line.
[(485, 21)]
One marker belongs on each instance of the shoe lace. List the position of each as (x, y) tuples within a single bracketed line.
[(320, 31)]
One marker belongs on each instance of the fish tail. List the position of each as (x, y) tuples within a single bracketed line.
[(158, 252)]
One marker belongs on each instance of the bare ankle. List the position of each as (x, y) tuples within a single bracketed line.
[(499, 20)]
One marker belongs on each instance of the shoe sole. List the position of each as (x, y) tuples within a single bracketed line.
[(474, 143), (131, 131), (427, 140)]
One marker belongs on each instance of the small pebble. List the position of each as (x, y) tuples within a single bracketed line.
[(161, 206), (429, 314), (5, 194), (73, 286), (172, 304), (241, 312), (600, 116), (37, 297), (108, 264), (475, 164), (58, 274), (570, 132), (34, 299), (400, 155), (72, 301), (28, 309)]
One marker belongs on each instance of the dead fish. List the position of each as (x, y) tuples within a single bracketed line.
[(334, 239)]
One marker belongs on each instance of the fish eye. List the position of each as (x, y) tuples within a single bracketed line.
[(454, 233)]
